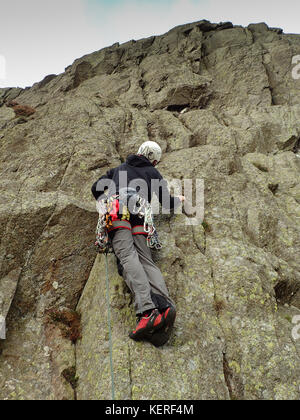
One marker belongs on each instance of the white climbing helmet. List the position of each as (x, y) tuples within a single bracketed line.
[(151, 150)]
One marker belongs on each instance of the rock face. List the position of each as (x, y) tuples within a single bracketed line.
[(222, 102)]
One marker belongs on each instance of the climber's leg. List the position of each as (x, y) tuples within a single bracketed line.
[(159, 293), (134, 273), (155, 278)]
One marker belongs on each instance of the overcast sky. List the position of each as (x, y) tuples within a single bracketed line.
[(39, 37)]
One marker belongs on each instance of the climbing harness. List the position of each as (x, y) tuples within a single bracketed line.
[(108, 216), (109, 331)]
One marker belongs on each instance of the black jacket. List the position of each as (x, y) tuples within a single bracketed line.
[(136, 168)]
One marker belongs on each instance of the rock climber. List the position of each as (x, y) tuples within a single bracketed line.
[(154, 308)]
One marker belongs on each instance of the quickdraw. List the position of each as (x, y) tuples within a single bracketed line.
[(103, 242), (144, 209)]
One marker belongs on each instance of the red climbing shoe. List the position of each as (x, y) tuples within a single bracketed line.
[(161, 337), (148, 324), (169, 316)]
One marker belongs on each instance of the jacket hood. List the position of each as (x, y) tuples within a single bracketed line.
[(138, 161)]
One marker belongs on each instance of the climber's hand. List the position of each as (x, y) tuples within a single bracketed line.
[(181, 198)]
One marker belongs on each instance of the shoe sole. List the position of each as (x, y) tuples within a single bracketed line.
[(170, 319), (161, 337)]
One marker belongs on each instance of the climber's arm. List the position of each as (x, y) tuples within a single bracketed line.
[(100, 186), (165, 198)]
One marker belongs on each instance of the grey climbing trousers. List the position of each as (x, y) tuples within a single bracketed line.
[(140, 273)]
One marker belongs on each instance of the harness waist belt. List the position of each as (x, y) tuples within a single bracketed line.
[(121, 224), (138, 230), (124, 224)]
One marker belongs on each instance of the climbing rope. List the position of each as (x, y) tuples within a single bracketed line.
[(109, 331), (104, 246)]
